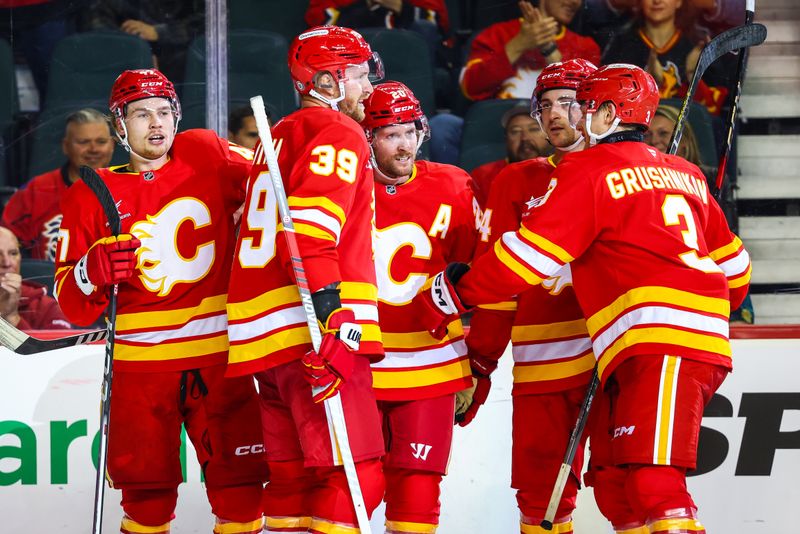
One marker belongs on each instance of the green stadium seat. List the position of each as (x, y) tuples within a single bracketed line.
[(46, 153), (256, 65), (482, 123), (477, 155), (285, 18), (9, 98), (407, 59), (85, 65), (194, 114), (39, 271)]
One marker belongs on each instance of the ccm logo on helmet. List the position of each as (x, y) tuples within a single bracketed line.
[(152, 84), (244, 450), (403, 108)]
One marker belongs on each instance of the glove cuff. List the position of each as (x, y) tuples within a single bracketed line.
[(481, 366), (82, 277)]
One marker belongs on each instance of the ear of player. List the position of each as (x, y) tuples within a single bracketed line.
[(109, 261), (438, 303), (331, 366)]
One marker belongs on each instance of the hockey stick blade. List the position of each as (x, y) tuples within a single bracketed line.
[(21, 343), (727, 41)]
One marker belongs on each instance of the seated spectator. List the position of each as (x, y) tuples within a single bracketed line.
[(242, 127), (658, 42), (524, 140), (660, 133), (24, 303), (169, 27), (34, 212), (506, 58)]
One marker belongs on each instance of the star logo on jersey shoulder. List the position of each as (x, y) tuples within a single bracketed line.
[(535, 202)]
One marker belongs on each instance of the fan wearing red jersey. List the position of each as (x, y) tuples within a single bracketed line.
[(552, 352), (424, 220), (176, 199), (656, 271), (324, 162)]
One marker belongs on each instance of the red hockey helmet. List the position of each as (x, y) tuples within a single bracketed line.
[(393, 103), (563, 75), (139, 84), (332, 49), (633, 92)]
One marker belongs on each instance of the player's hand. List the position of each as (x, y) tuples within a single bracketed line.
[(140, 29), (438, 302), (109, 261), (329, 368), (472, 399)]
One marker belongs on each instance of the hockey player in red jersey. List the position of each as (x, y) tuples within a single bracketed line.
[(553, 358), (176, 198), (324, 162), (424, 220), (656, 271)]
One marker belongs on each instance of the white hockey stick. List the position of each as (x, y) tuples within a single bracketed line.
[(18, 341), (333, 405)]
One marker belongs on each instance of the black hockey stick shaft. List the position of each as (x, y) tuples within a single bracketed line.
[(569, 455), (752, 34), (741, 67), (100, 190)]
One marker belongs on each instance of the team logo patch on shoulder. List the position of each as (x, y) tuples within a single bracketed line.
[(535, 202)]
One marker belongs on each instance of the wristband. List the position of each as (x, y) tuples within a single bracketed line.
[(548, 49)]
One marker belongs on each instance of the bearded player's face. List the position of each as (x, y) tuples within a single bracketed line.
[(357, 88), (151, 127)]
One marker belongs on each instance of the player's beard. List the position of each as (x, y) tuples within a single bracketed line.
[(391, 171), (353, 109)]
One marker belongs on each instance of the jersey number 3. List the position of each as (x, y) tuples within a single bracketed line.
[(675, 208)]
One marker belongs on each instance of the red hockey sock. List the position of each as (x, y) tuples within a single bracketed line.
[(412, 500)]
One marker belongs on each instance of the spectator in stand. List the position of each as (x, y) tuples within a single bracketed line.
[(427, 17), (168, 25), (660, 133), (524, 140), (34, 212), (242, 127), (24, 303), (34, 27), (505, 60), (659, 42)]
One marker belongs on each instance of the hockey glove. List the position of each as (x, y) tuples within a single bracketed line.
[(482, 368), (329, 368), (438, 302), (109, 261)]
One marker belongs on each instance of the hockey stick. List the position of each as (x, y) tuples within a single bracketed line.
[(333, 405), (737, 91), (18, 341), (100, 190), (727, 41), (569, 456)]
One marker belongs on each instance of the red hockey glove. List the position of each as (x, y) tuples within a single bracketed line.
[(109, 261), (329, 368), (473, 398), (438, 302)]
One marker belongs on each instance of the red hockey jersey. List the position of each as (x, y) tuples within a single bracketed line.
[(654, 264), (172, 315), (422, 225), (550, 344), (489, 74), (482, 178), (34, 213), (324, 161)]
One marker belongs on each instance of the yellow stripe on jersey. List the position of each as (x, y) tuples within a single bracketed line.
[(288, 522), (541, 332), (658, 295), (326, 527), (668, 388), (742, 279), (358, 291), (727, 250), (160, 319), (553, 371), (407, 526), (422, 377), (271, 299), (239, 528), (676, 524), (318, 202), (514, 265), (510, 305), (310, 231), (414, 340), (245, 352), (558, 528), (132, 526), (171, 351), (546, 245), (665, 335)]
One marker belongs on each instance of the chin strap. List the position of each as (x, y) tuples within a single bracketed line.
[(578, 142), (332, 102), (595, 138)]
